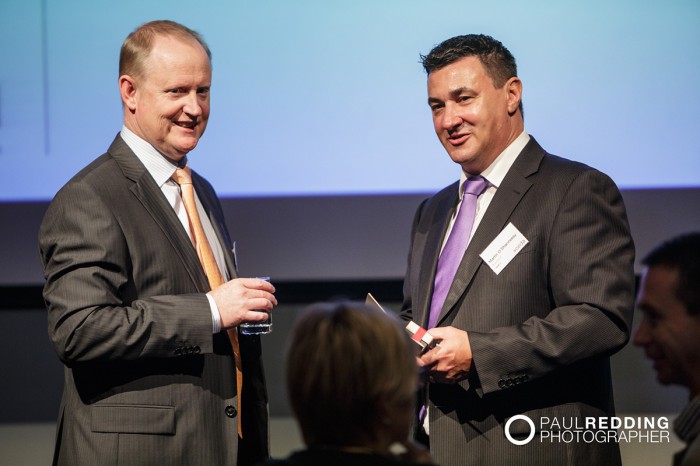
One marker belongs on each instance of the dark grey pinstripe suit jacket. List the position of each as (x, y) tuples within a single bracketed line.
[(542, 330), (145, 381)]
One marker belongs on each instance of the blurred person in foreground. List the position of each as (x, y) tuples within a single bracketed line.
[(142, 292), (351, 379), (522, 269), (669, 299)]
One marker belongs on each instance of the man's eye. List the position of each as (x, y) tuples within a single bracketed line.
[(652, 319)]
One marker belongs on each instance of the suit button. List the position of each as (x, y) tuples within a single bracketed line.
[(509, 383), (178, 351), (502, 383), (196, 350), (230, 411)]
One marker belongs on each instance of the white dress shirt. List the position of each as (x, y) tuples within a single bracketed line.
[(494, 174), (161, 170)]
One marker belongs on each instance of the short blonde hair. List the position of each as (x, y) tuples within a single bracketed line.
[(138, 44), (343, 360)]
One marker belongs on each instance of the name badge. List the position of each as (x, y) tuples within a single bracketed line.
[(503, 248)]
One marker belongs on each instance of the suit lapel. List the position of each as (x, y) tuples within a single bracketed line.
[(228, 253), (507, 198), (153, 201), (217, 224)]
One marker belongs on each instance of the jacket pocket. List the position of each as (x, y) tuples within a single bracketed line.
[(133, 419)]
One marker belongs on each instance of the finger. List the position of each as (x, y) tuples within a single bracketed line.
[(262, 304), (256, 316), (439, 332), (425, 359), (428, 360), (259, 284), (251, 293), (268, 296), (430, 356)]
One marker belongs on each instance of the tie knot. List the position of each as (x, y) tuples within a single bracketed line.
[(475, 185), (183, 176)]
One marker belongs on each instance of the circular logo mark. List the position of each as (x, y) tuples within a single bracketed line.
[(520, 417)]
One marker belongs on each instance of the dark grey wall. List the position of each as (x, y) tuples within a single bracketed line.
[(298, 239), (344, 237), (32, 374)]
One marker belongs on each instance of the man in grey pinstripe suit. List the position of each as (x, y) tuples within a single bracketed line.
[(544, 292), (149, 369)]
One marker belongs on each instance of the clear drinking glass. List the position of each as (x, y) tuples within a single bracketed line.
[(258, 328)]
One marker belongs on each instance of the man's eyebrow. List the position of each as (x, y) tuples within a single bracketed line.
[(454, 93), (460, 90)]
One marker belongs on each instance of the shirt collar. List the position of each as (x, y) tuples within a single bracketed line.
[(159, 166), (496, 172)]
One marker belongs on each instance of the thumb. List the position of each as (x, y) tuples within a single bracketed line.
[(439, 332)]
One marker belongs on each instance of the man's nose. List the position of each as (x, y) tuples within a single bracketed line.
[(641, 335), (450, 117), (193, 106)]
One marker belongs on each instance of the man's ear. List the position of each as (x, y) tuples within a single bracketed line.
[(514, 93), (127, 90)]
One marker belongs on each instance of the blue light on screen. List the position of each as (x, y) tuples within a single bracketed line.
[(317, 98)]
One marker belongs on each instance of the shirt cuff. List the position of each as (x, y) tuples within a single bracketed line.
[(215, 316)]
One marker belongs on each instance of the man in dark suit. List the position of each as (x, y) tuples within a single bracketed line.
[(150, 372), (541, 290), (669, 332)]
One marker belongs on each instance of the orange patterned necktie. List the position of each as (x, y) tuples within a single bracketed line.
[(183, 177)]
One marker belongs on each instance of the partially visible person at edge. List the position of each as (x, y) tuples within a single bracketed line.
[(669, 298), (150, 372), (522, 270), (351, 380)]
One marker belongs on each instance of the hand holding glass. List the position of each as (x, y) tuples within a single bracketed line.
[(262, 327)]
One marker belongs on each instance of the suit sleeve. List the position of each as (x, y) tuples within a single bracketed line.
[(589, 277), (93, 293)]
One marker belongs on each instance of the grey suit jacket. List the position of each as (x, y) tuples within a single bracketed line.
[(540, 331), (146, 382)]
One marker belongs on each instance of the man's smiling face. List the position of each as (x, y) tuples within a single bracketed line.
[(169, 105)]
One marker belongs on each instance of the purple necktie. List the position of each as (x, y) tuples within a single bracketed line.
[(456, 244)]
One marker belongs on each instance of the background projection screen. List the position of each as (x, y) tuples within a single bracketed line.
[(329, 98)]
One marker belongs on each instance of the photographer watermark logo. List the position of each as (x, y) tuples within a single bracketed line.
[(639, 429), (520, 417)]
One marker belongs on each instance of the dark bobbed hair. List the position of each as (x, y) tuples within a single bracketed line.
[(343, 361)]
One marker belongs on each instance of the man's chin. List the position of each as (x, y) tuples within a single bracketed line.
[(460, 158), (185, 148), (175, 154)]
